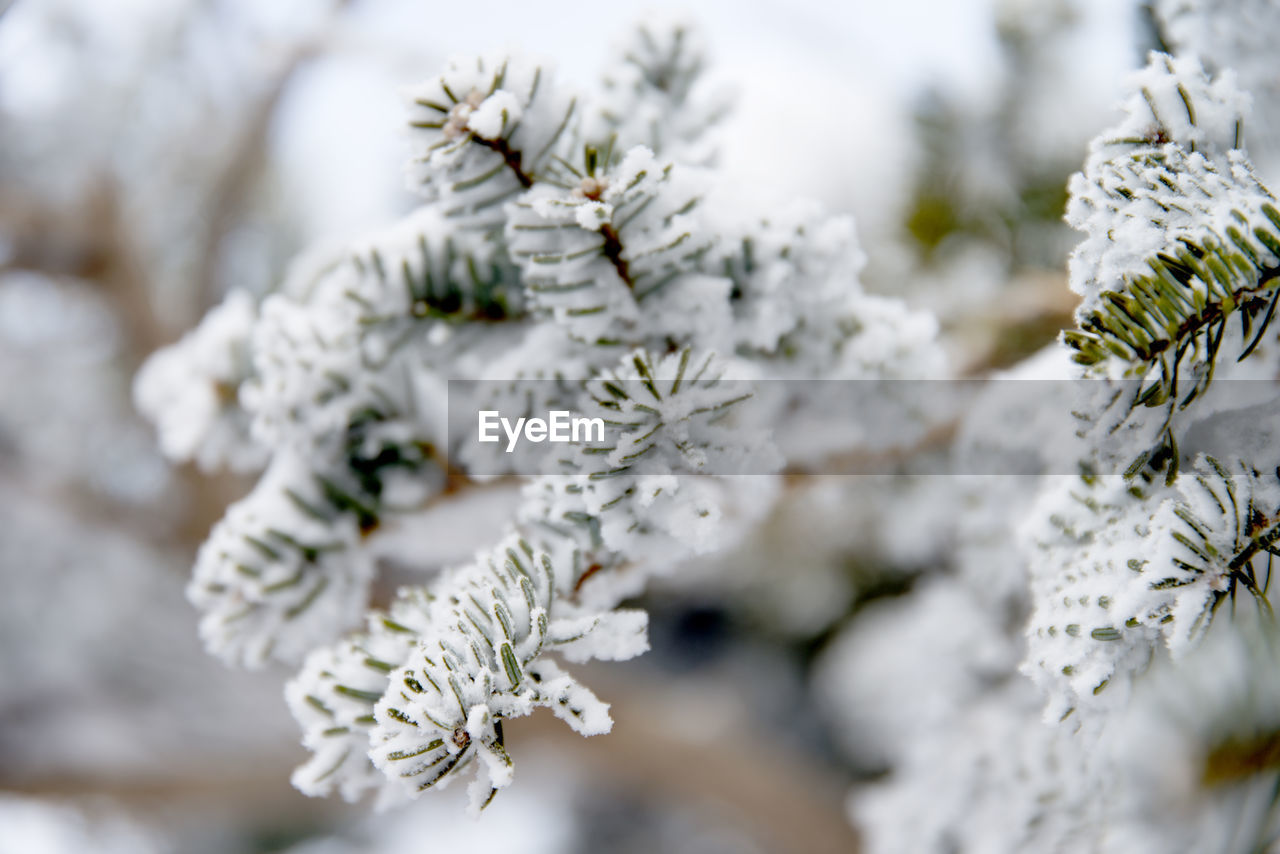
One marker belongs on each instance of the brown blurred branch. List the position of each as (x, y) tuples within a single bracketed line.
[(91, 242), (782, 800), (237, 177), (786, 802), (244, 165)]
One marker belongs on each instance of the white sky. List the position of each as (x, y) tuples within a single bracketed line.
[(824, 87)]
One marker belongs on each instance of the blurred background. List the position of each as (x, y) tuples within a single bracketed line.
[(156, 153)]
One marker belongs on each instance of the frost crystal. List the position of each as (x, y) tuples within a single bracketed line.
[(1177, 130), (190, 390), (334, 695), (656, 94), (482, 659), (277, 576), (593, 254), (1238, 35), (483, 130)]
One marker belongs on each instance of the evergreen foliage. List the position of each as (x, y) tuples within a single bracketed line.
[(567, 255)]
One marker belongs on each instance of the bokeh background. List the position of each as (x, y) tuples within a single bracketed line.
[(156, 153)]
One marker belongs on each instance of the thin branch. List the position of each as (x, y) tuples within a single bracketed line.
[(242, 167)]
